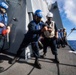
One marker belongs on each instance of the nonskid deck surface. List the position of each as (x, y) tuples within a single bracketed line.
[(67, 65)]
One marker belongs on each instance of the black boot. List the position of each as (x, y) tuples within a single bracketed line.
[(44, 55), (37, 64), (16, 57), (14, 60), (1, 69), (56, 59), (1, 61)]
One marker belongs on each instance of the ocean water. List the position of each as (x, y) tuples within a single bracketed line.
[(72, 43)]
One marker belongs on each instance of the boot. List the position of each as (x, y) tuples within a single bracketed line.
[(37, 64), (56, 59), (14, 60), (1, 69), (44, 55), (16, 57), (1, 61)]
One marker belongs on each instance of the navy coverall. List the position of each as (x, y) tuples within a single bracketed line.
[(32, 37), (4, 20)]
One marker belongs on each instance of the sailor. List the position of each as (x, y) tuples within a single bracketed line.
[(35, 28), (61, 39), (65, 36), (4, 29), (50, 36)]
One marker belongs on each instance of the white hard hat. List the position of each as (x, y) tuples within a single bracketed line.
[(49, 14), (64, 28)]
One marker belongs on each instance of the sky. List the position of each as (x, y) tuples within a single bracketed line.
[(68, 15)]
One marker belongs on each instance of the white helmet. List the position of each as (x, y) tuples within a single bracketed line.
[(64, 28), (49, 14)]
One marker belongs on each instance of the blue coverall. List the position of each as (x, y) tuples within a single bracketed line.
[(4, 20), (32, 37)]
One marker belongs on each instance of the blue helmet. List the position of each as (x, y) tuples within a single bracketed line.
[(3, 5), (39, 13)]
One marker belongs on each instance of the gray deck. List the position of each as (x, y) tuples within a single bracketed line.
[(67, 65)]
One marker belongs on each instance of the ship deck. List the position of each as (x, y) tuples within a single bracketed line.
[(67, 65)]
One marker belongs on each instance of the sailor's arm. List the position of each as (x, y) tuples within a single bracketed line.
[(1, 24), (8, 29), (56, 35)]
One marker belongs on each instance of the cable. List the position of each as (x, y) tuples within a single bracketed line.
[(71, 31)]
